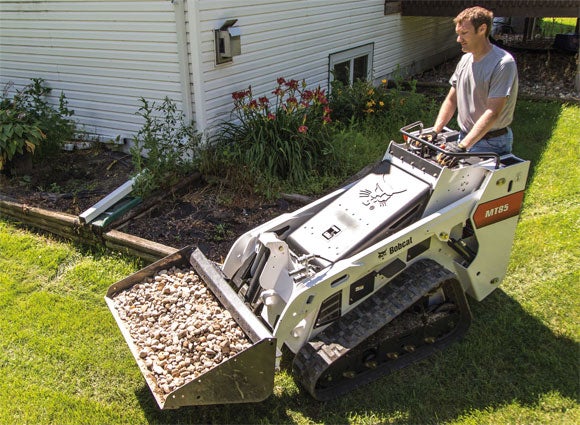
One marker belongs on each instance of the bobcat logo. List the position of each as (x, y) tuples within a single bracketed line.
[(377, 197)]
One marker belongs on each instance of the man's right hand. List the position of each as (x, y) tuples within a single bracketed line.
[(428, 136)]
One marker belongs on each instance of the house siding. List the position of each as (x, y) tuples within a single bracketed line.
[(104, 56), (293, 39)]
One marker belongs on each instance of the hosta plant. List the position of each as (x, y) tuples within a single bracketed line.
[(19, 132), (29, 123)]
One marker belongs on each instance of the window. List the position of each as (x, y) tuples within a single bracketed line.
[(351, 65)]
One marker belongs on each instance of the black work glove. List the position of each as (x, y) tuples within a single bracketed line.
[(448, 160), (428, 136)]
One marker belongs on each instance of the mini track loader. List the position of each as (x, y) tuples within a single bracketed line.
[(361, 282)]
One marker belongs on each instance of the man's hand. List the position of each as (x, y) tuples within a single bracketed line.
[(448, 160), (428, 136)]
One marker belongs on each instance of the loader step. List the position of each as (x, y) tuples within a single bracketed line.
[(389, 331)]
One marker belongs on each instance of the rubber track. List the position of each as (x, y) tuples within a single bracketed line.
[(358, 325)]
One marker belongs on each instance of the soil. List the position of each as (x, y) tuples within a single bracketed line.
[(71, 181), (209, 215)]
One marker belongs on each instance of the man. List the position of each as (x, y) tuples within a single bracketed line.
[(484, 89)]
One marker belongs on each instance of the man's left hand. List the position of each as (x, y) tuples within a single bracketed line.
[(450, 160)]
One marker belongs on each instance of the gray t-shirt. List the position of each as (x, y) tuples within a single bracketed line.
[(495, 75)]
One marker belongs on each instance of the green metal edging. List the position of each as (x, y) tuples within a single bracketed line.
[(116, 211)]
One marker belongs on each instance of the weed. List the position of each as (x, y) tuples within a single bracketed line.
[(55, 188), (165, 148), (221, 232)]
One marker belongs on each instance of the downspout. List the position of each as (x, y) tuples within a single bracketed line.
[(196, 60), (183, 58)]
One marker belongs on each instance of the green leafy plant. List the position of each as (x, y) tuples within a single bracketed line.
[(362, 100), (55, 121), (55, 188), (30, 123), (355, 102), (390, 105), (221, 232), (20, 130), (286, 138), (165, 148)]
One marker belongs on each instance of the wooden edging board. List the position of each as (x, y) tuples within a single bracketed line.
[(69, 227)]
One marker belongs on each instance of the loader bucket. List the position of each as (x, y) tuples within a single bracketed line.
[(245, 376)]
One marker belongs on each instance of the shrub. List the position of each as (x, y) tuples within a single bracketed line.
[(287, 138), (55, 122), (362, 100), (349, 102), (165, 148)]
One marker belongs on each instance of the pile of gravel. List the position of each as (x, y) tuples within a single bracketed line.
[(180, 329)]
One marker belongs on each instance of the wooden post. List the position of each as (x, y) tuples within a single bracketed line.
[(577, 79)]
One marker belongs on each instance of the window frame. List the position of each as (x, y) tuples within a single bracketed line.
[(350, 55)]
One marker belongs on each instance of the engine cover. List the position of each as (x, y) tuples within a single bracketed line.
[(376, 203)]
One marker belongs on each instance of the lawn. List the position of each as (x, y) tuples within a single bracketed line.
[(64, 361)]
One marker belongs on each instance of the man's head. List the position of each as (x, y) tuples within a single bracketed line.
[(477, 16), (473, 26)]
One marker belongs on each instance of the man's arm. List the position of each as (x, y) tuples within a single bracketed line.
[(446, 111), (493, 108)]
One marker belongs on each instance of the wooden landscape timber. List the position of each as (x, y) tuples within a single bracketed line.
[(69, 227)]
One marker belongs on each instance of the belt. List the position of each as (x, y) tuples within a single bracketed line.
[(495, 133)]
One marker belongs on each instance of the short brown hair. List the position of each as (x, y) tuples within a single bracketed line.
[(477, 16)]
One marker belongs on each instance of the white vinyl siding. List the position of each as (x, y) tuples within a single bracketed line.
[(104, 56), (294, 39), (107, 54)]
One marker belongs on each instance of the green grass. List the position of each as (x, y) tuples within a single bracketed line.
[(552, 26), (63, 359)]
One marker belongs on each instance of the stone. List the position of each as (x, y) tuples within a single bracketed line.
[(180, 329)]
